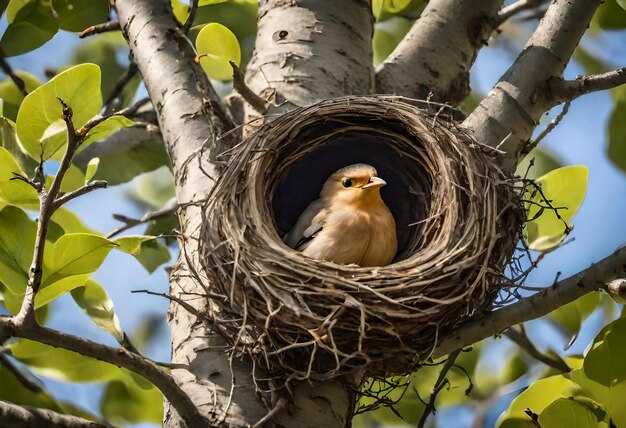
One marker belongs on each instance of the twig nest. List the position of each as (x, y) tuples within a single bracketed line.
[(457, 215)]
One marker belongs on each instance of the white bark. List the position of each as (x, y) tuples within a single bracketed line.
[(310, 50), (178, 87), (510, 112), (439, 50)]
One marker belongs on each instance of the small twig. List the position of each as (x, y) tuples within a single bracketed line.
[(21, 377), (170, 207), (439, 384), (127, 112), (26, 316), (278, 407), (6, 68), (553, 124), (239, 84), (193, 8), (100, 28), (515, 8), (12, 415), (120, 85), (20, 177), (96, 184), (521, 339), (567, 90)]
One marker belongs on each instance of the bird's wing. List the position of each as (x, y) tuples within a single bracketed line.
[(311, 221)]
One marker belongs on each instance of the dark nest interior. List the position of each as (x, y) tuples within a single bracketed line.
[(457, 217)]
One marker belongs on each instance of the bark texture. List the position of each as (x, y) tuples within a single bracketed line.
[(508, 115), (308, 50), (190, 117), (439, 50)]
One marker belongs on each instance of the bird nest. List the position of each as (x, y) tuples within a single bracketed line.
[(457, 217)]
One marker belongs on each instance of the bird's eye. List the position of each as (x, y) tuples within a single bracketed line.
[(346, 182)]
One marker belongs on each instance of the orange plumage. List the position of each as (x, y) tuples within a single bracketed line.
[(349, 223)]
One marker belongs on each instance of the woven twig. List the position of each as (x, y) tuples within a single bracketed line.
[(457, 215)]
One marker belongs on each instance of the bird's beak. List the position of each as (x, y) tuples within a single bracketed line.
[(374, 182)]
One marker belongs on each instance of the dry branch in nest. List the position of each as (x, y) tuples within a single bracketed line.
[(457, 216)]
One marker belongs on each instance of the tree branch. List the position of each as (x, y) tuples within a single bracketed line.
[(12, 415), (26, 315), (567, 90), (17, 372), (96, 184), (513, 9), (9, 327), (542, 303), (510, 112), (169, 208), (239, 85), (193, 8), (100, 28), (519, 337), (439, 50), (120, 85)]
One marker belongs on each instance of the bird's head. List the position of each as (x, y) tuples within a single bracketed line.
[(354, 184)]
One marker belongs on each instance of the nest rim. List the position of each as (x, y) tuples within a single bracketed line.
[(243, 189)]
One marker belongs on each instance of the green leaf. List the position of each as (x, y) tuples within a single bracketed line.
[(92, 168), (14, 192), (70, 222), (132, 400), (31, 24), (74, 254), (218, 45), (611, 16), (537, 397), (54, 289), (569, 318), (568, 413), (73, 179), (146, 250), (106, 51), (180, 10), (106, 128), (622, 4), (63, 365), (604, 363), (543, 162), (8, 140), (611, 398), (40, 126), (95, 302), (385, 9), (123, 159), (386, 40), (565, 189), (17, 242), (617, 133), (14, 391), (240, 16), (11, 95), (154, 189), (76, 15)]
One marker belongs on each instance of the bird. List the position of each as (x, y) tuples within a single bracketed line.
[(349, 223)]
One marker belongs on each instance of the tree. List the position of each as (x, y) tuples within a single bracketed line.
[(304, 51)]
